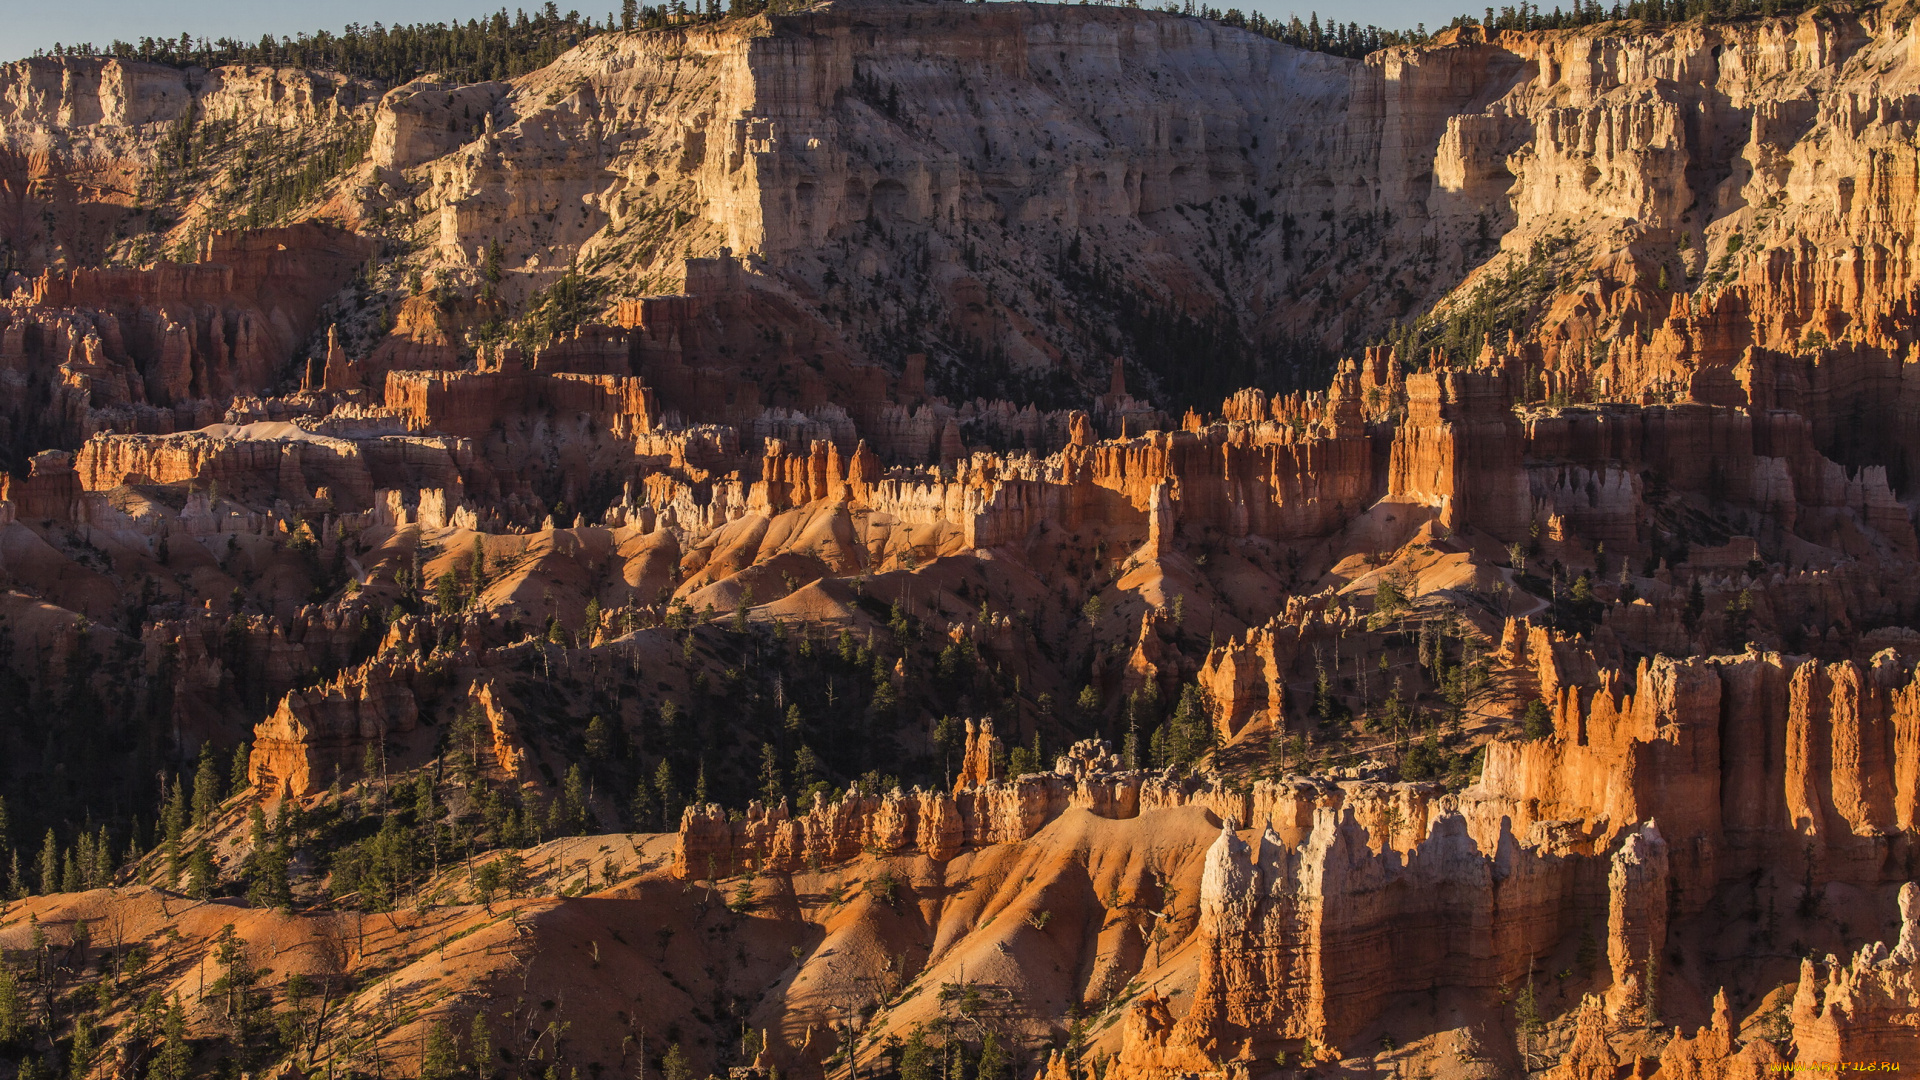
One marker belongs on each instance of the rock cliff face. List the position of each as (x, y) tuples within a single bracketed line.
[(79, 136), (899, 372), (316, 734), (164, 349), (842, 153), (1861, 1010), (1304, 928)]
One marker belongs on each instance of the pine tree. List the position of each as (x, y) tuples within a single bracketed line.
[(599, 739), (674, 1064), (590, 622), (14, 1008), (668, 795), (267, 882), (100, 874), (173, 818), (573, 796), (426, 810), (806, 768), (772, 789), (644, 810), (465, 741), (446, 592), (174, 1059), (236, 984), (256, 828), (440, 1061), (241, 778), (477, 561), (85, 1046), (266, 866), (993, 1059), (916, 1057), (82, 856), (206, 788), (480, 1046), (201, 874), (50, 864)]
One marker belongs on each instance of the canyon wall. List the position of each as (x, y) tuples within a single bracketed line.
[(854, 135), (1657, 787), (1682, 177)]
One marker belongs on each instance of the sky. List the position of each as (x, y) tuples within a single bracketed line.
[(26, 25)]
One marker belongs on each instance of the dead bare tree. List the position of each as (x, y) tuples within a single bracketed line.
[(332, 963)]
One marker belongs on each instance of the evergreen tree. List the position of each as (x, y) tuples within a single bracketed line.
[(266, 865), (241, 777), (174, 1058), (237, 986), (590, 622), (667, 795), (100, 871), (993, 1059), (772, 789), (82, 856), (1193, 733), (917, 1058), (573, 801), (256, 828), (468, 726), (14, 1010), (644, 810), (446, 592), (426, 809), (806, 768), (440, 1061), (50, 864), (84, 1049), (173, 823), (674, 1064), (599, 739), (201, 874), (480, 1046), (206, 788)]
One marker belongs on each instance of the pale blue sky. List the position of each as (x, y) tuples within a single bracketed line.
[(29, 24)]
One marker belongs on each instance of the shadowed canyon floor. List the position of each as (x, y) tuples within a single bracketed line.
[(981, 541)]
